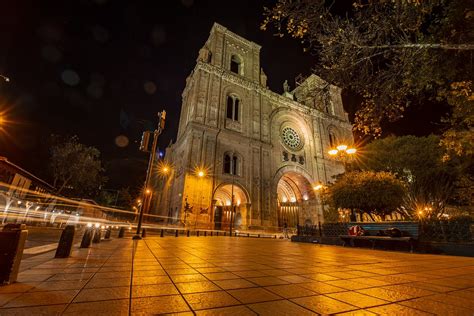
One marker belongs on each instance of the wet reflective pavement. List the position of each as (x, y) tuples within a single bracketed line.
[(239, 276)]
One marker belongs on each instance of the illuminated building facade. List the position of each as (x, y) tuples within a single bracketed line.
[(261, 152)]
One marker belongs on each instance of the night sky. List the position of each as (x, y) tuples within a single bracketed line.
[(99, 69)]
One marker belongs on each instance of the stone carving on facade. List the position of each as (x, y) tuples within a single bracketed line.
[(204, 55)]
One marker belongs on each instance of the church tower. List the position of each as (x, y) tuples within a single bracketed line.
[(245, 150)]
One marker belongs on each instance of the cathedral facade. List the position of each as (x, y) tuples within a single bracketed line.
[(244, 154)]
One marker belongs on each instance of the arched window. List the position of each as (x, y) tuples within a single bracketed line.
[(232, 111), (236, 64), (231, 163), (332, 139)]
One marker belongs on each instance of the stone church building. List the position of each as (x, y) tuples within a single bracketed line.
[(244, 148)]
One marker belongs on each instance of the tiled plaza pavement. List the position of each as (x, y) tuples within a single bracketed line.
[(239, 276)]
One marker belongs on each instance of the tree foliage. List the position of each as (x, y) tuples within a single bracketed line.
[(432, 182), (379, 193), (76, 168), (458, 139), (388, 52)]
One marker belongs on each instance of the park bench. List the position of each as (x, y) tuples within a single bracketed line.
[(410, 233)]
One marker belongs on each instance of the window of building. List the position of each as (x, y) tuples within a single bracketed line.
[(233, 104), (236, 64), (231, 164)]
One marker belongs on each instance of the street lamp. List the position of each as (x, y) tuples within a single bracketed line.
[(342, 150), (5, 78)]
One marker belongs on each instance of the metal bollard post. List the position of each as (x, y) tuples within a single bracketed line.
[(87, 237), (211, 233), (143, 232), (162, 233), (197, 233), (121, 232), (225, 234), (187, 233), (12, 243), (217, 234), (258, 235), (97, 236), (176, 233), (248, 235), (205, 233), (65, 242), (235, 234)]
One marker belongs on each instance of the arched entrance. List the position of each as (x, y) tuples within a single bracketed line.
[(296, 200), (230, 199)]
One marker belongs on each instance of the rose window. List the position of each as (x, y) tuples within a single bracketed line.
[(291, 138)]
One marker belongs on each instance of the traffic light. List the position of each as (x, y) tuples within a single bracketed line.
[(144, 144), (161, 119)]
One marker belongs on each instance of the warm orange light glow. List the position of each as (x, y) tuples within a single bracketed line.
[(333, 152), (351, 151), (139, 201), (148, 191), (165, 169), (341, 147), (318, 187)]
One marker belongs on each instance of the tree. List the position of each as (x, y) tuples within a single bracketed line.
[(125, 199), (432, 182), (374, 193), (75, 167), (390, 53), (458, 139)]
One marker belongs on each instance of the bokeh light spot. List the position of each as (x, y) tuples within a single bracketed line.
[(70, 77), (158, 35), (150, 87), (121, 141), (187, 3), (51, 53)]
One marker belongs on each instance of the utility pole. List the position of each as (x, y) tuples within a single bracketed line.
[(156, 133)]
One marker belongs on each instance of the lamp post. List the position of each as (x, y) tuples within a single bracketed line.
[(156, 133), (232, 207), (201, 173), (342, 152)]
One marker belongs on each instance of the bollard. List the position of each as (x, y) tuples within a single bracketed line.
[(97, 236), (197, 233), (65, 242), (176, 233), (275, 236), (235, 234), (248, 235), (205, 233), (12, 243), (225, 234), (162, 233), (108, 231), (258, 235), (217, 234), (211, 233), (121, 232), (87, 237), (143, 232), (187, 233)]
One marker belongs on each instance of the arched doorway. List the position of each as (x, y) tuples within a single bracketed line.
[(230, 200), (296, 200)]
